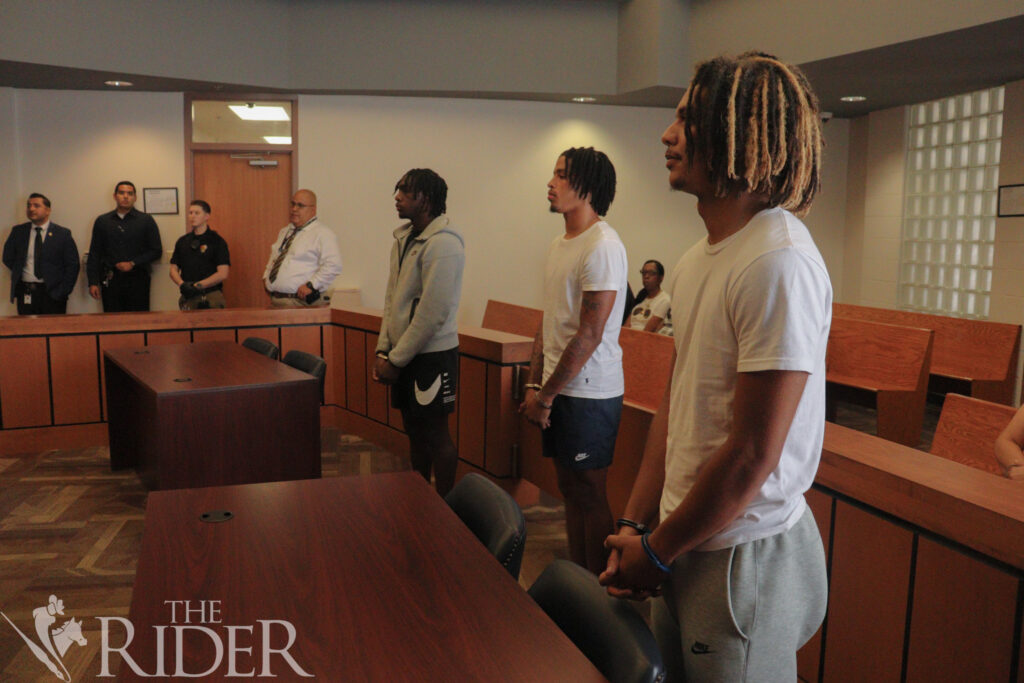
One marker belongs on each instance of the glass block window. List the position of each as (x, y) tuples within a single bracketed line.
[(949, 211)]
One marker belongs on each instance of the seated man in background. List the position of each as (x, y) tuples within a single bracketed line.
[(200, 263), (651, 307), (43, 260), (1008, 447)]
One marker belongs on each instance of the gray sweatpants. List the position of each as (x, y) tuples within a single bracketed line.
[(740, 614)]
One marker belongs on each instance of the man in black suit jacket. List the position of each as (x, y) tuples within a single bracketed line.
[(43, 260)]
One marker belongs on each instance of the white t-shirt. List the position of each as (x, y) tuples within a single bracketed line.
[(759, 300), (656, 306), (593, 261)]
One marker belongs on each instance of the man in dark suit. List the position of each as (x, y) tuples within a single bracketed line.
[(43, 260), (125, 242)]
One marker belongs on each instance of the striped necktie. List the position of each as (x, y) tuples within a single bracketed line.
[(282, 252)]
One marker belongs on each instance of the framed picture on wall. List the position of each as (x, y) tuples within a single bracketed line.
[(1011, 201), (160, 200)]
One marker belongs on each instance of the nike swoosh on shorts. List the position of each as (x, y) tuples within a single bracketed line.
[(427, 396)]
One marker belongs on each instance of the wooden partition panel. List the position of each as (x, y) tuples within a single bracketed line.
[(473, 408), (962, 618), (214, 335), (808, 658), (74, 365), (502, 420), (334, 354), (301, 338), (355, 370), (868, 597), (271, 334), (377, 396), (170, 337), (24, 383)]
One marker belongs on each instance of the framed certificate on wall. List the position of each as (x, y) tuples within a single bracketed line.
[(160, 200)]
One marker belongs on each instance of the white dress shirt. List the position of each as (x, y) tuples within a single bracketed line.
[(313, 256)]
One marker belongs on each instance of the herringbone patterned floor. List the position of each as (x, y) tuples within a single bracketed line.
[(70, 527)]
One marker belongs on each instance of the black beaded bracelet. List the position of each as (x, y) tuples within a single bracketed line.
[(642, 528), (655, 560)]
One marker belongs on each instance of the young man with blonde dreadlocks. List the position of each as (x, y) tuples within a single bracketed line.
[(738, 436)]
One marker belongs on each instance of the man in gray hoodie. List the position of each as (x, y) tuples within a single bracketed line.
[(418, 347)]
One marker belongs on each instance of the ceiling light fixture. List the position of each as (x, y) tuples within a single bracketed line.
[(584, 99), (257, 112), (852, 98), (119, 84), (278, 139)]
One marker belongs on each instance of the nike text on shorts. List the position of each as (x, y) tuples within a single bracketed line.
[(428, 384), (582, 432)]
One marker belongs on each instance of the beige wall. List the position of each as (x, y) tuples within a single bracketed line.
[(806, 30), (874, 213), (74, 146), (497, 157), (1007, 303)]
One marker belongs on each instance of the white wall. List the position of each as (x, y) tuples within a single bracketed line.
[(497, 158), (75, 146)]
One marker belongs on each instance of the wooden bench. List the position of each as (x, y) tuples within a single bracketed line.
[(646, 366), (978, 355), (888, 361), (968, 429), (512, 318)]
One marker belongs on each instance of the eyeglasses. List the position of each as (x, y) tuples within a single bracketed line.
[(298, 205), (649, 272)]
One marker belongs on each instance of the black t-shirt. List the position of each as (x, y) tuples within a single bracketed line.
[(197, 256)]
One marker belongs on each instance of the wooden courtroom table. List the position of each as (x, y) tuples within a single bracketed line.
[(209, 414), (378, 578)]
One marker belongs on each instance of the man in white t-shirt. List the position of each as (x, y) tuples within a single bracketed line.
[(574, 392), (738, 436)]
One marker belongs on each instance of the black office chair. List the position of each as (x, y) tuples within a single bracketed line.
[(612, 635), (260, 345), (308, 363), (493, 516)]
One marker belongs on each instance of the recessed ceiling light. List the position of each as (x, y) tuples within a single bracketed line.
[(278, 139), (584, 99), (257, 112), (852, 98), (119, 84)]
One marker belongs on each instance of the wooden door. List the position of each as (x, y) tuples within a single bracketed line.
[(249, 207)]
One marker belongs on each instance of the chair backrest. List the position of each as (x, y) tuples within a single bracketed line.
[(612, 635), (493, 517), (260, 345), (968, 429), (308, 363)]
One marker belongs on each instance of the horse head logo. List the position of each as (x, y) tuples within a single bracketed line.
[(53, 642)]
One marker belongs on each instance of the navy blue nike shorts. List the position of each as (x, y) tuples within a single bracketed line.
[(428, 384), (582, 432)]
